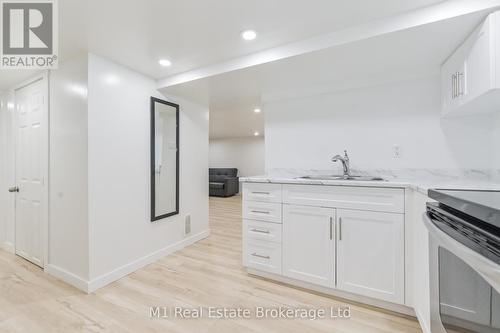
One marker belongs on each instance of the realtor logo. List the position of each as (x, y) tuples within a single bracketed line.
[(28, 34)]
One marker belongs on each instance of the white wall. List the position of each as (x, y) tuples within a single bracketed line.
[(306, 132), (246, 154), (99, 224), (68, 227), (6, 171), (121, 234)]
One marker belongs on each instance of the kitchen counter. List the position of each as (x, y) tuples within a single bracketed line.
[(421, 186)]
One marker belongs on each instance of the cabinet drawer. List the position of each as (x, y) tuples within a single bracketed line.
[(349, 197), (261, 231), (262, 192), (263, 255), (262, 211)]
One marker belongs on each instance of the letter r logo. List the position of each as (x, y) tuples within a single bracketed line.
[(27, 28)]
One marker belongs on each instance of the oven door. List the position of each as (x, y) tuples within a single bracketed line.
[(464, 286)]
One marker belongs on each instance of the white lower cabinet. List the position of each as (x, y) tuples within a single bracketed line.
[(309, 244), (339, 237), (370, 254)]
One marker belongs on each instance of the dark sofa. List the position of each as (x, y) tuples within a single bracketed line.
[(223, 182)]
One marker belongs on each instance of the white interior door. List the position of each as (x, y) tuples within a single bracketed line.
[(30, 137)]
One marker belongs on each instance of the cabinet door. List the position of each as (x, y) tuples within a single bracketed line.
[(308, 244), (370, 254), (475, 63), (478, 62), (453, 80)]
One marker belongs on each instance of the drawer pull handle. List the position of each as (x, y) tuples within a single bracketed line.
[(260, 212), (260, 256), (266, 193), (261, 231)]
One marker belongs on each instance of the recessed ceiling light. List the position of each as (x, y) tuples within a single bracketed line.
[(248, 35), (165, 62), (256, 133), (257, 110)]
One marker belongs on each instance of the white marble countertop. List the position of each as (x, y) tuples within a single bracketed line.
[(421, 186)]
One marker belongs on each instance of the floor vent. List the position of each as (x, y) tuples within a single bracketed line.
[(187, 225)]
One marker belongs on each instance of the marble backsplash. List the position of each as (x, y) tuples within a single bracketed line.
[(430, 175)]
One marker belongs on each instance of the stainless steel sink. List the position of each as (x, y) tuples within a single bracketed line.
[(340, 177)]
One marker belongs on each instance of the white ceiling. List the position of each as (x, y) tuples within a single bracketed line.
[(403, 55), (194, 33), (235, 121)]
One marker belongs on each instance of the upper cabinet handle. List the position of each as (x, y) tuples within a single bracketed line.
[(340, 228), (453, 86), (331, 227), (460, 78)]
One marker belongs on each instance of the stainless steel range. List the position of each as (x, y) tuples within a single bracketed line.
[(464, 227)]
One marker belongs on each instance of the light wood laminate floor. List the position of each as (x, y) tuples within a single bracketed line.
[(208, 273)]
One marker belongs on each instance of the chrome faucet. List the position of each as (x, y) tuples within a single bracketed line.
[(345, 163)]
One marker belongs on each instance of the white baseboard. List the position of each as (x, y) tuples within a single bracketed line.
[(67, 277), (424, 324), (8, 246), (103, 280), (124, 270)]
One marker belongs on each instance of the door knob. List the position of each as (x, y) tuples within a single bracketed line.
[(14, 189)]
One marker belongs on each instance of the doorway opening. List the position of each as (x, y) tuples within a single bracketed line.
[(236, 146)]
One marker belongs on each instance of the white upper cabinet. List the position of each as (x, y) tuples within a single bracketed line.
[(370, 254), (470, 78)]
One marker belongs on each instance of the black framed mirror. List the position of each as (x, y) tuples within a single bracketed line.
[(164, 159)]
